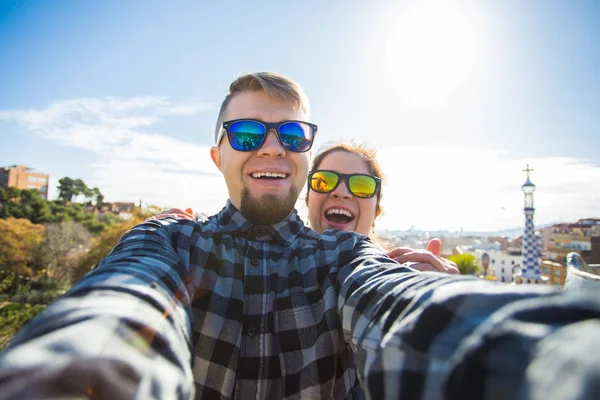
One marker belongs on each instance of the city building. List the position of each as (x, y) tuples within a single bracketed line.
[(562, 239), (122, 209), (22, 177), (501, 264), (555, 273)]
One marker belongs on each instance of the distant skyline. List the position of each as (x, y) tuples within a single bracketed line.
[(458, 97)]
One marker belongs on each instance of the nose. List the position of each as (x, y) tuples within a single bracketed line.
[(341, 192), (271, 147)]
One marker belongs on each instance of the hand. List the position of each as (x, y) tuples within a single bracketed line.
[(427, 260), (174, 213)]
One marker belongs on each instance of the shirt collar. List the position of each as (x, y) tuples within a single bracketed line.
[(231, 220)]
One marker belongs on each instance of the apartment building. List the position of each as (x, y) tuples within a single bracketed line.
[(561, 239), (555, 272), (504, 264), (22, 177)]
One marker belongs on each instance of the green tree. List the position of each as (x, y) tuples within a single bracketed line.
[(69, 188), (33, 207), (98, 197), (9, 201), (40, 212), (81, 188), (66, 190), (13, 193), (3, 203), (467, 263)]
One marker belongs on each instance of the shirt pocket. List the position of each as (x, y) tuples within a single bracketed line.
[(309, 335)]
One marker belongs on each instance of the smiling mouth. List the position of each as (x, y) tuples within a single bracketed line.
[(339, 216), (268, 175)]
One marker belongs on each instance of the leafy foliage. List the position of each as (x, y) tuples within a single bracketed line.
[(42, 243), (30, 205), (69, 188), (103, 243), (12, 283), (19, 244), (13, 316), (467, 263), (24, 204)]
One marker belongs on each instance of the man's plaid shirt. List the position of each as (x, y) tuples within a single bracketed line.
[(278, 311)]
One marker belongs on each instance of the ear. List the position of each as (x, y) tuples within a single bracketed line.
[(215, 154)]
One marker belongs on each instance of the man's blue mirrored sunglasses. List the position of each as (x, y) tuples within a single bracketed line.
[(250, 134)]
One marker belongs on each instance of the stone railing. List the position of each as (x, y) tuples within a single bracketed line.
[(581, 275)]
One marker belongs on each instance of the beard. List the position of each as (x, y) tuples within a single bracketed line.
[(268, 209)]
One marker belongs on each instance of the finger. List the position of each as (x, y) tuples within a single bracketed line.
[(435, 246), (451, 267), (422, 257), (423, 267), (399, 251), (453, 270)]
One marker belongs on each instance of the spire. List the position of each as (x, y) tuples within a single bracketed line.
[(530, 265), (528, 188)]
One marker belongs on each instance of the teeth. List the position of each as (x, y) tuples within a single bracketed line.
[(268, 175), (340, 211)]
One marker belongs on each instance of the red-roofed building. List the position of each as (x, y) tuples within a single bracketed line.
[(561, 239)]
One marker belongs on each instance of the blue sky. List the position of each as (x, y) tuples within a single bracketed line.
[(457, 96)]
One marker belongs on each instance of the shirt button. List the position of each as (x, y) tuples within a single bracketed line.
[(255, 262), (259, 232), (252, 331)]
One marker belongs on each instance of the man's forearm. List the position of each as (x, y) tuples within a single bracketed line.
[(121, 330), (430, 335)]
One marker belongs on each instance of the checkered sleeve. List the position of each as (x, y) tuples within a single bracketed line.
[(433, 336), (120, 332)]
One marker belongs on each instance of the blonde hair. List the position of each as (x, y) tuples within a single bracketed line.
[(273, 84), (369, 156)]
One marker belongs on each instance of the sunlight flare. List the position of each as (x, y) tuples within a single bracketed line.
[(430, 53)]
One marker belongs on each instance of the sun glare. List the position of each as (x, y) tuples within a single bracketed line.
[(430, 53)]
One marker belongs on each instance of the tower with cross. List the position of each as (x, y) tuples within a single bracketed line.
[(530, 266)]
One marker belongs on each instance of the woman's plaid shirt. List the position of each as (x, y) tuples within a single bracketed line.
[(225, 309)]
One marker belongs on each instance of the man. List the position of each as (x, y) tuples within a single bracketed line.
[(252, 304)]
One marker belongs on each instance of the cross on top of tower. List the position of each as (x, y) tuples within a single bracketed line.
[(528, 170)]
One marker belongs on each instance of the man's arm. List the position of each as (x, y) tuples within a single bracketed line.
[(426, 335), (122, 331)]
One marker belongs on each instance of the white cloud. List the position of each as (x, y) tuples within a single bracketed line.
[(131, 162), (480, 189)]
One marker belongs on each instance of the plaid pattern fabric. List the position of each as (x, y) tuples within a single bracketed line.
[(225, 309), (265, 313)]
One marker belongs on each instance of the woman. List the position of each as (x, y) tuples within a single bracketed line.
[(344, 192)]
